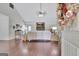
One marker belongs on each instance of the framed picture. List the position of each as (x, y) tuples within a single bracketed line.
[(40, 26)]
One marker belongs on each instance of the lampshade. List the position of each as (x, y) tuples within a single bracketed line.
[(54, 28)]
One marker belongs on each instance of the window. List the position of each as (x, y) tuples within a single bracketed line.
[(29, 28)]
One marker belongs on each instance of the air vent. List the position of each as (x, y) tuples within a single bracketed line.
[(11, 5)]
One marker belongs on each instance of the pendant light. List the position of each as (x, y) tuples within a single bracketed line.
[(41, 12)]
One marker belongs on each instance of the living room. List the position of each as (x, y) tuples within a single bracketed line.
[(39, 29), (24, 22)]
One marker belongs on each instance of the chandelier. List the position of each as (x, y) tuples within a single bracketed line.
[(41, 12)]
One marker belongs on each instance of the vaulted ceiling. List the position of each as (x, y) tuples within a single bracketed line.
[(28, 12)]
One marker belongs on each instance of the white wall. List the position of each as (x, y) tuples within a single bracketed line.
[(77, 22), (29, 11), (4, 27), (14, 17)]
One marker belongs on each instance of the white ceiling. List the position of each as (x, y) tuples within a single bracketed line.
[(28, 11)]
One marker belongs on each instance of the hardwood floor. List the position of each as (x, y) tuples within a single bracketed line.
[(4, 46), (35, 49), (32, 48)]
